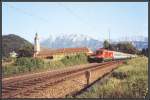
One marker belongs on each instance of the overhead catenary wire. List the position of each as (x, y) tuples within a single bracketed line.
[(25, 12), (45, 21), (81, 20), (75, 15), (29, 14), (34, 16)]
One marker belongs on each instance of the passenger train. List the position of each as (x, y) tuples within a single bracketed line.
[(107, 55)]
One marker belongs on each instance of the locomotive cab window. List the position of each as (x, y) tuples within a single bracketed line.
[(98, 52)]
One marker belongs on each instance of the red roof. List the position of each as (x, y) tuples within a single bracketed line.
[(50, 52)]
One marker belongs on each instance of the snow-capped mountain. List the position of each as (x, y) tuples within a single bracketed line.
[(140, 44), (72, 40), (81, 40), (132, 38)]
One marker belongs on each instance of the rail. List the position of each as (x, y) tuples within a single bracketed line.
[(12, 88)]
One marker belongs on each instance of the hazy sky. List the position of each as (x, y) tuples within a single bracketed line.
[(93, 18)]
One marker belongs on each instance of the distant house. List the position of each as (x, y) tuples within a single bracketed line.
[(56, 54), (60, 53), (13, 54)]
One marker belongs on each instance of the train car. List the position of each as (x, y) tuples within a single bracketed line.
[(120, 55), (106, 55)]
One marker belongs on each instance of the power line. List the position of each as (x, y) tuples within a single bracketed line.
[(77, 16), (109, 34), (29, 14), (45, 21)]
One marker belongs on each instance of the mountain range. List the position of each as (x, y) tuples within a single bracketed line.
[(72, 40), (80, 40)]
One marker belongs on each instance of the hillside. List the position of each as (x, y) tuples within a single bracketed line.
[(13, 42)]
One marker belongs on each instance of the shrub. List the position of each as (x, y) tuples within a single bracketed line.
[(55, 64), (119, 75), (24, 64), (28, 64), (76, 59)]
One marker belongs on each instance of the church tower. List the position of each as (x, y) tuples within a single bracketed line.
[(36, 44)]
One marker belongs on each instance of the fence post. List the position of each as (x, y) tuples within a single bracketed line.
[(88, 75)]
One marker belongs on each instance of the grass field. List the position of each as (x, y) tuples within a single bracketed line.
[(130, 80), (26, 65)]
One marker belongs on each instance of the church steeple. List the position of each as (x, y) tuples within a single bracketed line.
[(36, 44)]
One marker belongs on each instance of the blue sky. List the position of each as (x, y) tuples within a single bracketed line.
[(91, 18)]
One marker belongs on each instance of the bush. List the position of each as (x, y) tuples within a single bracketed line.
[(25, 51), (56, 65), (76, 59), (22, 65), (28, 64), (119, 75)]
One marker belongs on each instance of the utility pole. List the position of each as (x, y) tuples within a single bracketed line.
[(109, 34), (109, 37)]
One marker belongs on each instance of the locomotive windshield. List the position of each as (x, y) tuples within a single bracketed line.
[(98, 52)]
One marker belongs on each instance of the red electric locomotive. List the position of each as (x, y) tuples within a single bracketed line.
[(107, 55), (101, 55)]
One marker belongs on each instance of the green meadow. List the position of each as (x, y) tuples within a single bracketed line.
[(129, 80)]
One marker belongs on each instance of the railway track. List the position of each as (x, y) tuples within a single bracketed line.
[(11, 88)]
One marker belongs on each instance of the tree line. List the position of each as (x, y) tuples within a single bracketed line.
[(126, 47)]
